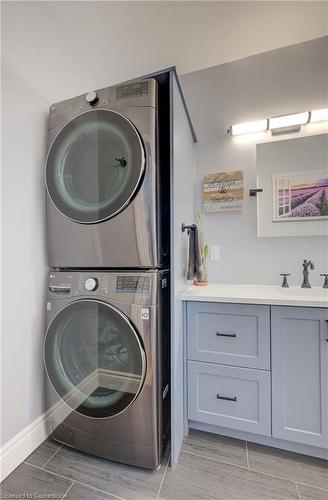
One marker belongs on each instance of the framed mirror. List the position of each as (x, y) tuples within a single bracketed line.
[(293, 174)]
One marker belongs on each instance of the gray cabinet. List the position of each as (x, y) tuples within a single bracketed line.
[(229, 366), (237, 398), (258, 375), (300, 375), (230, 334)]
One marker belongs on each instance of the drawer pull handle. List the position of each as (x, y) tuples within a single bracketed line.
[(234, 399), (218, 334)]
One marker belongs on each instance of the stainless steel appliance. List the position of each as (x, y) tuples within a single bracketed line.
[(106, 354), (107, 197)]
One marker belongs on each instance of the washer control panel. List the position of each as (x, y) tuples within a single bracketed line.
[(122, 286), (133, 284)]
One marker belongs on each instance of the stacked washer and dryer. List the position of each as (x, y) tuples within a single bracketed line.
[(106, 348)]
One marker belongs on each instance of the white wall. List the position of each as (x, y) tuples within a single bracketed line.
[(23, 253), (38, 62), (278, 82), (65, 47), (55, 50), (189, 35)]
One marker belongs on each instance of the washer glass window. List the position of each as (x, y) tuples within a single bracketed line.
[(94, 358), (95, 166)]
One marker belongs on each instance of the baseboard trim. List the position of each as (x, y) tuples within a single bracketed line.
[(17, 449), (304, 449)]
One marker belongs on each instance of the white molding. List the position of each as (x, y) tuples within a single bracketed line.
[(18, 448), (312, 451)]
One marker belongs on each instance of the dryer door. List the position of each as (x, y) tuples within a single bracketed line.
[(95, 166), (94, 358)]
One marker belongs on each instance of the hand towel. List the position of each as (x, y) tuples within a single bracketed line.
[(196, 263)]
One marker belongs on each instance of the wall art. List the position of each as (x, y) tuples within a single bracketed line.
[(300, 196), (223, 191)]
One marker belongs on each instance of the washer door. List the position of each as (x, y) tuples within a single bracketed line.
[(95, 166), (94, 358)]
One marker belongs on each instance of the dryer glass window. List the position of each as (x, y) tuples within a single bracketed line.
[(95, 166), (94, 359)]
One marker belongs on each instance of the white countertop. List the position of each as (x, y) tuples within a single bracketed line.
[(258, 294)]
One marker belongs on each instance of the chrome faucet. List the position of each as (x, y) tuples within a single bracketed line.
[(306, 265), (325, 284)]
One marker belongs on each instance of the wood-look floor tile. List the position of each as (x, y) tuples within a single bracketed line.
[(294, 466), (308, 493), (81, 492), (217, 447), (121, 480), (197, 478), (28, 480), (42, 454)]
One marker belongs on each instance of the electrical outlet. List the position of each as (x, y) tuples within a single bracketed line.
[(215, 252)]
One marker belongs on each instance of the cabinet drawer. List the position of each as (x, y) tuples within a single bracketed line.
[(238, 398), (230, 334)]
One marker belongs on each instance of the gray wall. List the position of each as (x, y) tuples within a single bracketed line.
[(278, 82)]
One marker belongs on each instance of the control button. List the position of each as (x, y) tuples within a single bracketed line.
[(91, 97), (91, 284)]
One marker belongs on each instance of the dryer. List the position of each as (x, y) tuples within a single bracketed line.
[(106, 354), (107, 197)]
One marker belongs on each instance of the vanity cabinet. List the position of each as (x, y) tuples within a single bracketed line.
[(300, 375), (228, 365), (259, 369)]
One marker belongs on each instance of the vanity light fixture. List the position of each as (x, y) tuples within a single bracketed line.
[(249, 127), (319, 115), (288, 121), (280, 124)]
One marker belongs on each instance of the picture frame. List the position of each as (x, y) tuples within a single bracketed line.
[(300, 196), (223, 191)]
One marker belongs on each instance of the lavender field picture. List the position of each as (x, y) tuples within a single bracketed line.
[(300, 196)]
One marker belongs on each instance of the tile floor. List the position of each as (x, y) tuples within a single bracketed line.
[(210, 467)]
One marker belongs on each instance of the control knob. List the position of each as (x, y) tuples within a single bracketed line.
[(91, 284), (91, 97)]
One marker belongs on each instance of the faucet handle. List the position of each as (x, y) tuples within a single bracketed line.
[(325, 284), (284, 281)]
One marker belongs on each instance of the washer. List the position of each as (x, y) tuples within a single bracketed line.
[(106, 355), (107, 200)]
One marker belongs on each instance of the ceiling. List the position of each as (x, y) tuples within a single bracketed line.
[(116, 41)]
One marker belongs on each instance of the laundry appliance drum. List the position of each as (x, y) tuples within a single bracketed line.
[(95, 166), (94, 358)]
